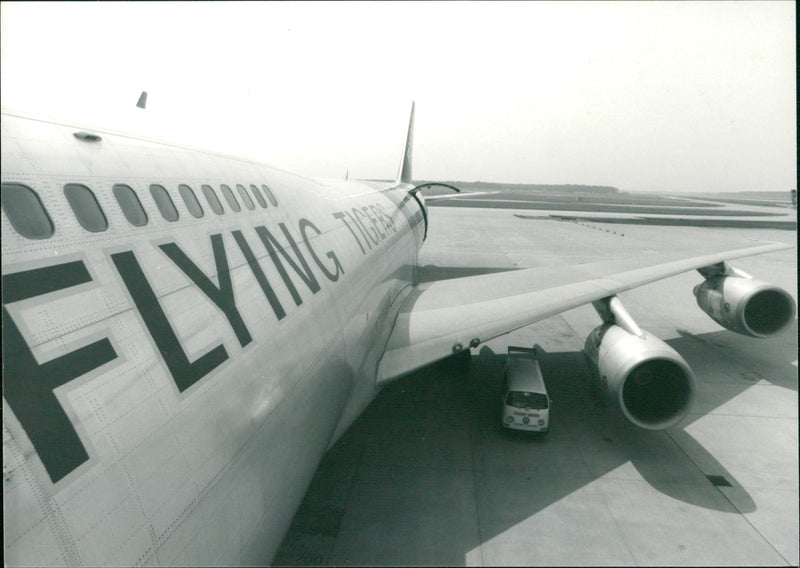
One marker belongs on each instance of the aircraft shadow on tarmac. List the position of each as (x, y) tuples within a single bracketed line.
[(433, 441), (582, 415)]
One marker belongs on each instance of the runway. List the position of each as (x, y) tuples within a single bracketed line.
[(426, 476)]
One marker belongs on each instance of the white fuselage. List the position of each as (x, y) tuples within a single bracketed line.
[(194, 371)]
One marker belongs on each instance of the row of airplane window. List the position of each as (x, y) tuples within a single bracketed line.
[(30, 219)]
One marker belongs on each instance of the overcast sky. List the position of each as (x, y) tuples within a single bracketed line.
[(644, 96)]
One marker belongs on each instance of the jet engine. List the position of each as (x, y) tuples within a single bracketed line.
[(744, 305), (649, 381)]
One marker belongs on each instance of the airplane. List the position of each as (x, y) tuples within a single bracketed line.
[(185, 334)]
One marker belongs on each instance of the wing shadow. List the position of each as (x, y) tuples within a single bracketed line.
[(430, 449)]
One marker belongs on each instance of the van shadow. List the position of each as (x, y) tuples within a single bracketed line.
[(589, 435), (405, 484)]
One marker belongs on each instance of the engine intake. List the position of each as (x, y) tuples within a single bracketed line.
[(746, 306), (649, 381)]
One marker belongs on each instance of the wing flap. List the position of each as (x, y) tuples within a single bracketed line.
[(437, 317)]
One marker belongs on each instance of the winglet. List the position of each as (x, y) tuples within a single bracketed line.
[(142, 100), (404, 173)]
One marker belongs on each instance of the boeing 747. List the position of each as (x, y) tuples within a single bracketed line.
[(186, 333)]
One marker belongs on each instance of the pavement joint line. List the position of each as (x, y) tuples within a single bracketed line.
[(758, 532), (732, 504), (357, 466), (328, 560), (764, 416), (631, 549), (569, 325), (473, 432), (729, 353)]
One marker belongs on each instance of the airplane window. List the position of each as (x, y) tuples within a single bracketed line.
[(130, 205), (85, 206), (164, 202), (25, 211), (259, 197), (230, 198), (245, 197), (270, 196), (216, 206), (191, 201)]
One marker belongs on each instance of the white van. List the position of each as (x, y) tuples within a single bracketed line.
[(526, 404)]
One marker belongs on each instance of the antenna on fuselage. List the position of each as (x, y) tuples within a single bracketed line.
[(142, 100)]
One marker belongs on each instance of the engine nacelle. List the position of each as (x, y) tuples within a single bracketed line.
[(746, 306), (653, 385)]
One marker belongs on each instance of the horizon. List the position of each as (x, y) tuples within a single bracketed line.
[(646, 97)]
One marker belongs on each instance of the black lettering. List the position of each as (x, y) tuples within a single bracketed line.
[(381, 220), (360, 229), (261, 278), (305, 224), (374, 239), (28, 386), (400, 203), (184, 372), (222, 296), (389, 219), (272, 245), (375, 228), (340, 215)]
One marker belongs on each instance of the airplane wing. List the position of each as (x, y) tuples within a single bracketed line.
[(440, 318)]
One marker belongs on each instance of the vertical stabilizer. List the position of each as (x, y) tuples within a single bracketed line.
[(404, 174)]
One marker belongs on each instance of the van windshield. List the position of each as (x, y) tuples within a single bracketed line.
[(526, 400)]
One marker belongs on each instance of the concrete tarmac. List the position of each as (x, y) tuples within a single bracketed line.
[(427, 476)]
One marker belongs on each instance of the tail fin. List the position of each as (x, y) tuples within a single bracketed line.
[(404, 174)]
